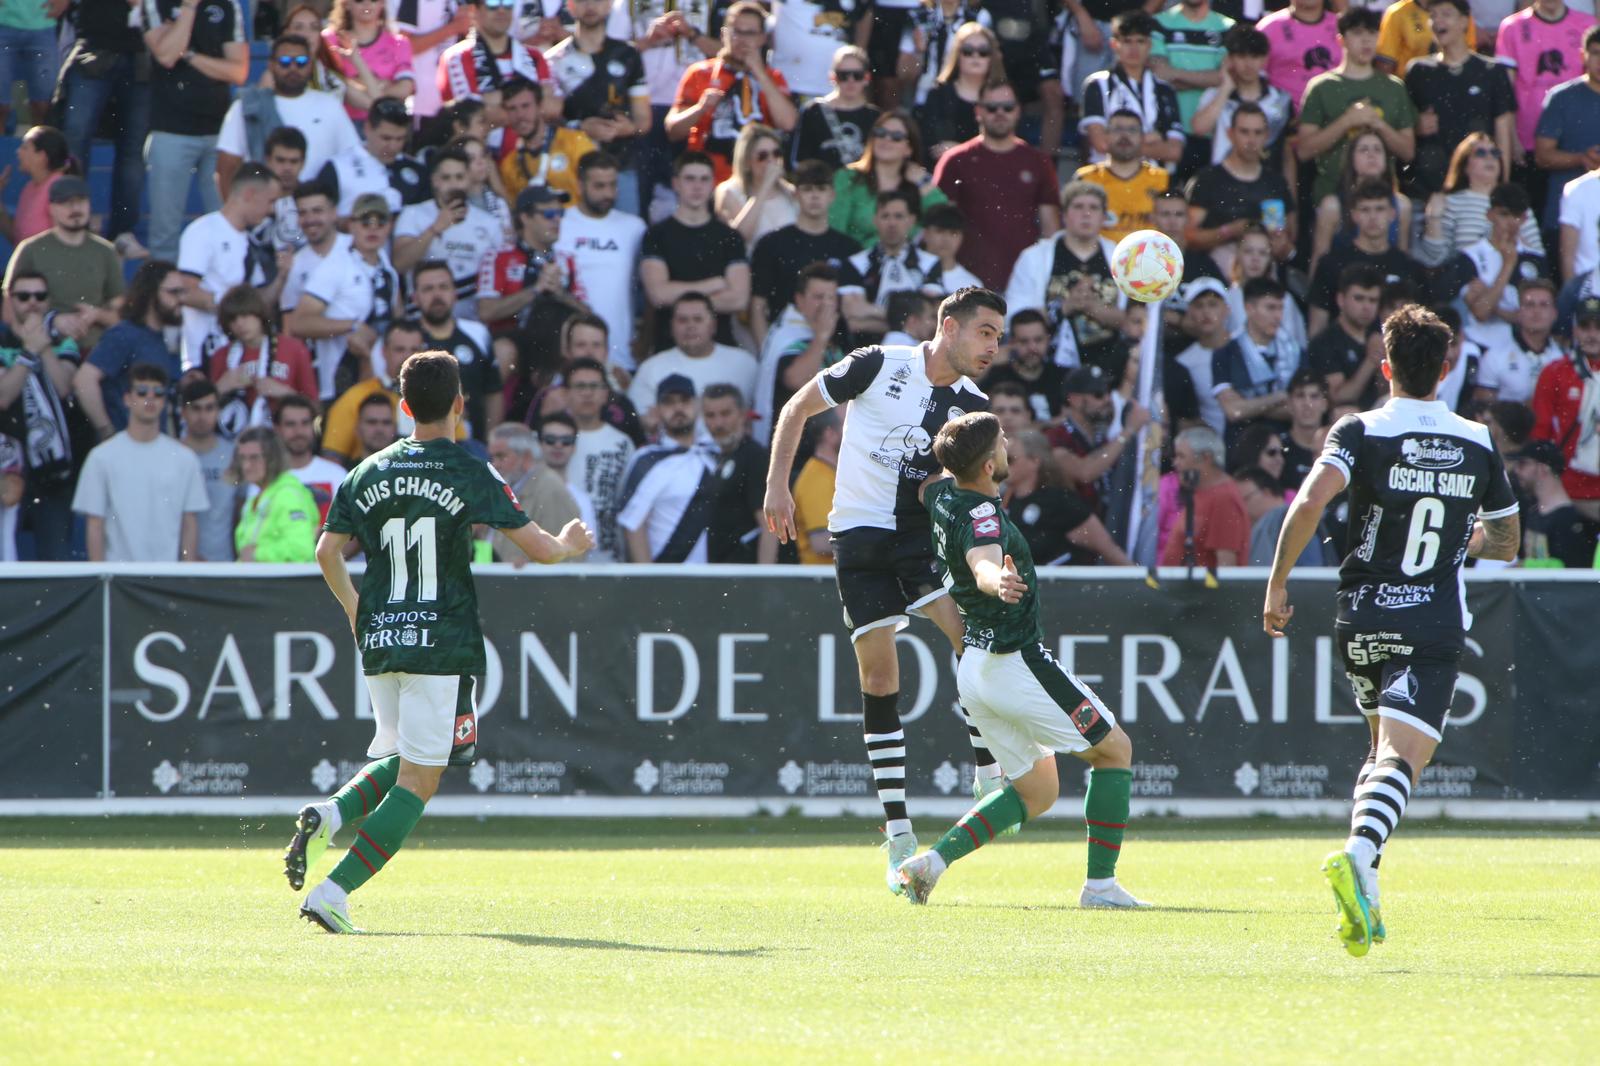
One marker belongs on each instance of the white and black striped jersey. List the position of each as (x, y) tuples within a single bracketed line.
[(1418, 474), (887, 451)]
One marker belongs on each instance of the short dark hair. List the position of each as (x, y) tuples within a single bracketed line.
[(1514, 419), (463, 111), (401, 325), (721, 390), (694, 298), (148, 372), (688, 159), (292, 40), (295, 402), (429, 384), (1371, 189), (445, 155), (1397, 292), (910, 198), (902, 305), (516, 85), (1170, 194), (1510, 198), (964, 303), (198, 389), (818, 271), (1247, 107), (1306, 378), (599, 159), (1256, 288), (389, 112), (375, 399), (1359, 18), (558, 418), (1591, 37), (1244, 40), (1357, 276), (1029, 316), (945, 216), (1009, 388), (314, 188), (1416, 340), (1536, 284), (813, 174), (964, 444), (428, 265), (252, 174), (1135, 23), (586, 364), (285, 137), (1259, 478), (1460, 5)]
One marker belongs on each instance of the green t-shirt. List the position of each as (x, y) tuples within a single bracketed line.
[(413, 506), (1190, 45), (962, 520), (90, 273), (1330, 95), (25, 15)]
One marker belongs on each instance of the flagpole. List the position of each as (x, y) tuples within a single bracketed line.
[(1142, 515)]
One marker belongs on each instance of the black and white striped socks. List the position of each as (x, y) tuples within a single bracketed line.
[(1381, 796), (886, 751)]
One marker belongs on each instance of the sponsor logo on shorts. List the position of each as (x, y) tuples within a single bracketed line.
[(1403, 689), (466, 729)]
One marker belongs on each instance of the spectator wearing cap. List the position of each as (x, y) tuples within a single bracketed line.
[(695, 355), (530, 286), (349, 297), (779, 256), (1028, 366), (1087, 443), (1211, 528), (1205, 319), (1554, 532), (83, 269), (216, 253), (543, 494), (154, 304), (1510, 370), (141, 490), (528, 150), (666, 503), (738, 530), (1566, 409), (200, 53), (35, 373), (1067, 277), (290, 101), (1250, 374), (1005, 187), (377, 164)]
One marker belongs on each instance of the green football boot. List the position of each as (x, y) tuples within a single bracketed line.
[(312, 835), (1355, 913)]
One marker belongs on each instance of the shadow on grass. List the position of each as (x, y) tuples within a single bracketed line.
[(535, 940)]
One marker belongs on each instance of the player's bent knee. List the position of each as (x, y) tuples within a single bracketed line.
[(422, 781), (1039, 787), (1115, 751)]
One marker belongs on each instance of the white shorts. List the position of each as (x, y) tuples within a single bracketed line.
[(1028, 706), (417, 716)]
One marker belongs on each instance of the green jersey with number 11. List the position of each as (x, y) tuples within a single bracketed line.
[(413, 506)]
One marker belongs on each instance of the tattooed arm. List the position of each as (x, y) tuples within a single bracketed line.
[(1496, 538)]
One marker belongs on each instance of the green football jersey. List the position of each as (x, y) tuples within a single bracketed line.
[(962, 520), (413, 506)]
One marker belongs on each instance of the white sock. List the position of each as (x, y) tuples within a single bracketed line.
[(1361, 850), (332, 893), (897, 827), (991, 772), (1099, 884), (330, 815), (936, 863)]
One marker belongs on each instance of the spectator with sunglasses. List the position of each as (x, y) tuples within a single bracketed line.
[(1457, 92), (1458, 216), (833, 128), (289, 102), (558, 438), (892, 161), (36, 371), (972, 64), (757, 198), (1005, 187), (154, 304)]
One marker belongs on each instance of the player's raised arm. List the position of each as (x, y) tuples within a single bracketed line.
[(330, 556), (778, 507), (1299, 526)]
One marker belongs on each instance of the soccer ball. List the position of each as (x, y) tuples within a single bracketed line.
[(1147, 265)]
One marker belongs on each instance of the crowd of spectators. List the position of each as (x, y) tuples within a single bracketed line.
[(642, 227)]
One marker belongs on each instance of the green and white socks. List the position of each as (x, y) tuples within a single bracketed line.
[(377, 841), (993, 815)]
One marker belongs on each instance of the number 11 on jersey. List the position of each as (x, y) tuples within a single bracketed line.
[(398, 541)]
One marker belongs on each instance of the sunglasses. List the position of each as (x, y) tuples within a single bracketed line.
[(146, 391), (499, 3), (1002, 109), (897, 136), (1486, 153), (854, 74), (551, 213), (294, 61), (373, 220), (551, 441), (25, 296), (975, 53)]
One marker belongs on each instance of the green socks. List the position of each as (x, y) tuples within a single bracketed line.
[(1105, 810), (366, 790), (378, 840), (997, 812)]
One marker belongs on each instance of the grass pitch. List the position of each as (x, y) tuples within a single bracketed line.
[(774, 941)]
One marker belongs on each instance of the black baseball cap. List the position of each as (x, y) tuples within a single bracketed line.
[(1086, 379), (1544, 452), (389, 110), (674, 385), (68, 187), (535, 196), (1588, 307)]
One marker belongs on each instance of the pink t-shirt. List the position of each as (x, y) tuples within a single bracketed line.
[(33, 208), (1300, 50), (1544, 54), (388, 56)]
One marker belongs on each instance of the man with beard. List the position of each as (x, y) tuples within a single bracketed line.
[(530, 152), (1028, 367), (481, 384), (216, 253), (349, 297), (605, 245), (1083, 445), (1130, 180), (883, 551), (603, 82), (449, 229), (738, 534), (258, 111), (341, 425), (667, 498), (696, 355), (82, 268), (152, 306), (530, 287), (1510, 371), (379, 164), (375, 426), (314, 219), (296, 423)]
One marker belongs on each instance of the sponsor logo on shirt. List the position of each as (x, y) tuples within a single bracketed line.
[(1398, 597), (983, 510), (986, 527), (1432, 453)]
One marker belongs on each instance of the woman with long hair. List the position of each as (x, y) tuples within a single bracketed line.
[(933, 36), (971, 65), (43, 157), (832, 128), (1254, 260), (305, 22), (756, 199), (374, 60), (1459, 216), (256, 367), (1259, 446), (278, 523), (1368, 157), (891, 161)]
